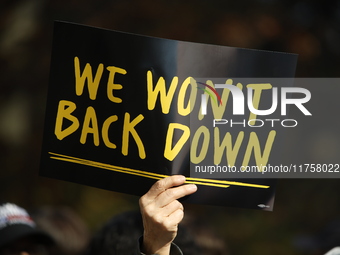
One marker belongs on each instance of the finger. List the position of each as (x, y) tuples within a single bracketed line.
[(172, 207), (164, 184), (174, 219), (173, 194)]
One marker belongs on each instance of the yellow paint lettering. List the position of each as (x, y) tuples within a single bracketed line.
[(257, 97), (90, 126), (170, 152), (182, 109), (129, 128), (105, 131), (87, 75), (254, 145), (160, 89), (65, 108), (217, 108), (227, 145), (111, 85), (202, 130)]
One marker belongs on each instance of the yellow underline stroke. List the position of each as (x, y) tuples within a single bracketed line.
[(121, 169), (200, 181), (133, 173)]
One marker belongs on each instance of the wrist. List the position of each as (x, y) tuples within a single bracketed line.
[(155, 249), (151, 247)]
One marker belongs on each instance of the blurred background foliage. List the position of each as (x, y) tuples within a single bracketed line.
[(309, 28)]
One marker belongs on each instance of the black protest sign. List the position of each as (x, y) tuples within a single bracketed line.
[(120, 107)]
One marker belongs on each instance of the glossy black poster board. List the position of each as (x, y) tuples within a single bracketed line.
[(117, 103)]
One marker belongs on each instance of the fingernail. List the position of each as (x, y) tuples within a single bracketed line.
[(181, 178), (192, 187)]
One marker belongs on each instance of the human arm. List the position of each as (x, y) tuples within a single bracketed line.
[(162, 212)]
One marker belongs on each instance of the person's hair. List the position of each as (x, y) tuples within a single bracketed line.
[(118, 236)]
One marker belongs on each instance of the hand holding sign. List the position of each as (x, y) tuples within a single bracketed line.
[(162, 213)]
